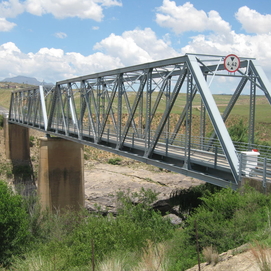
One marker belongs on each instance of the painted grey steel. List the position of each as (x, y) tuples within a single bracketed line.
[(261, 77), (252, 110), (129, 111), (214, 114), (43, 106)]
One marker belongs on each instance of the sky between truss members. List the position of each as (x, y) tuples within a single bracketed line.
[(52, 40)]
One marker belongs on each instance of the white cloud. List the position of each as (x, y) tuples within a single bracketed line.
[(221, 40), (61, 35), (187, 18), (240, 44), (137, 46), (252, 21), (51, 64), (84, 9), (11, 8), (6, 26)]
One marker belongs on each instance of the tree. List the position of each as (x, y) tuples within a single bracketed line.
[(14, 231)]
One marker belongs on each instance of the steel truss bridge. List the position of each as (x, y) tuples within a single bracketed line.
[(132, 112)]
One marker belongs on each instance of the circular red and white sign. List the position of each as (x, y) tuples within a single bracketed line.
[(232, 63)]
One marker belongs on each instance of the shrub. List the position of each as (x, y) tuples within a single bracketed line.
[(98, 236), (262, 255), (239, 132), (210, 255), (228, 218), (13, 224), (114, 161), (32, 141)]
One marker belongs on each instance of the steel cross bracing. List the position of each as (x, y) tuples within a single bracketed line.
[(138, 112)]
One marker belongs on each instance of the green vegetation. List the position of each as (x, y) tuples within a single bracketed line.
[(137, 238), (239, 132), (115, 161), (14, 224)]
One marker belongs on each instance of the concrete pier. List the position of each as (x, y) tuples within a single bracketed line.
[(16, 143), (61, 174)]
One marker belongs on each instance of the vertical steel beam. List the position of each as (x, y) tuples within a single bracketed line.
[(168, 89), (104, 89), (29, 101), (188, 124), (98, 100), (37, 114), (120, 93), (252, 111), (202, 125), (83, 104), (148, 111), (140, 116)]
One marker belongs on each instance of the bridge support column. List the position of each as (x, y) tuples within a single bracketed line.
[(61, 174), (16, 142)]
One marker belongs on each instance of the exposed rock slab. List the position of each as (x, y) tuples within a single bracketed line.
[(102, 182)]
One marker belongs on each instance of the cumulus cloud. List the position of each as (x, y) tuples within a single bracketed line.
[(252, 21), (254, 46), (6, 26), (51, 64), (11, 8), (216, 35), (241, 45), (136, 46), (84, 9), (187, 18)]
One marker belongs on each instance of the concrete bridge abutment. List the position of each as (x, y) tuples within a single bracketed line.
[(17, 147), (61, 174)]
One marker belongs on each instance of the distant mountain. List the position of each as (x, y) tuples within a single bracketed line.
[(25, 80)]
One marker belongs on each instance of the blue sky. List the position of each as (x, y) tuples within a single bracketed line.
[(57, 39)]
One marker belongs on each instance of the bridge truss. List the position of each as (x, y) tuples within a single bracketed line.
[(145, 112)]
